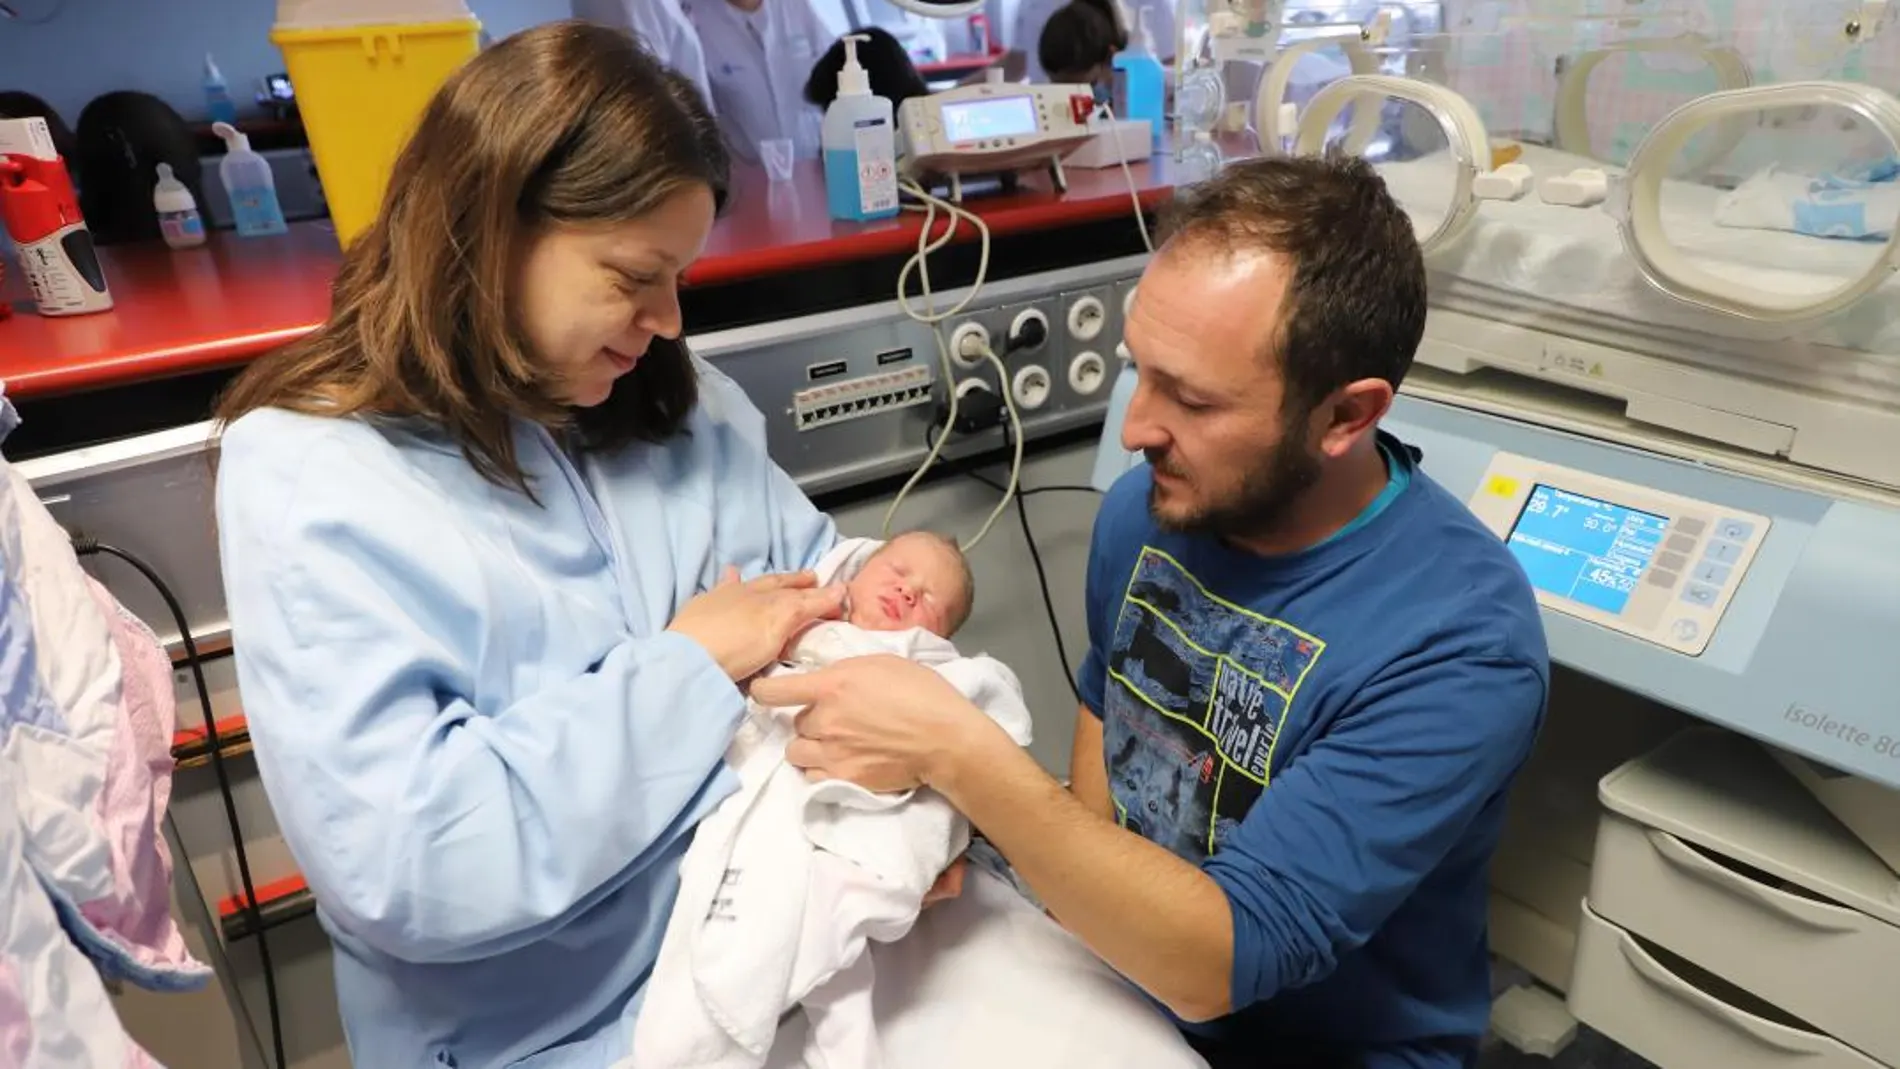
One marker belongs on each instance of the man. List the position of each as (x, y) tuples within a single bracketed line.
[(1312, 673)]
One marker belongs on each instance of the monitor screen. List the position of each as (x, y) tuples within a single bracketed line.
[(1589, 551), (977, 120)]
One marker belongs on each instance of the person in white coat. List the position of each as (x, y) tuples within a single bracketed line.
[(758, 55), (662, 26)]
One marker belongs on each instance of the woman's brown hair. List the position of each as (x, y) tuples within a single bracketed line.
[(564, 124)]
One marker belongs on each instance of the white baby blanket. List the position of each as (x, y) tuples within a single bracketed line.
[(787, 881)]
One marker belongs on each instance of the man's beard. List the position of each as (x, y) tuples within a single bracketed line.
[(1261, 503)]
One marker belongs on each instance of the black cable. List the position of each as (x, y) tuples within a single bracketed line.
[(1048, 602), (1042, 573), (1032, 491), (252, 914)]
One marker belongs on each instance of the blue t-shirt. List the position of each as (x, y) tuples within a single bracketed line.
[(1330, 735)]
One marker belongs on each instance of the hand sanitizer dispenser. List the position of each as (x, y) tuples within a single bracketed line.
[(860, 145), (247, 178)]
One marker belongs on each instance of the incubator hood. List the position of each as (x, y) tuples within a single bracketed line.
[(1663, 238), (1675, 221)]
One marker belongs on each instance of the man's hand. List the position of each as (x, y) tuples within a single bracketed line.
[(880, 722)]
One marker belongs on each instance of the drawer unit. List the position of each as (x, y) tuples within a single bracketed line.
[(1712, 851)]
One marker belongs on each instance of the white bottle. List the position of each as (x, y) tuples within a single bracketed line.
[(247, 178), (860, 142), (178, 217)]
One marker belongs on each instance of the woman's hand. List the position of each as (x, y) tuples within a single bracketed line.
[(745, 625)]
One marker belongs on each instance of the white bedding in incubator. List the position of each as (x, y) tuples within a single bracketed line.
[(1575, 257)]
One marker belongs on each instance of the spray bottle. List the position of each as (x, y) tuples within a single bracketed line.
[(41, 213), (247, 178), (217, 94), (860, 142)]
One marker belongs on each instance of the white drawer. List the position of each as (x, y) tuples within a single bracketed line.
[(1833, 967), (1712, 851), (1677, 1019)]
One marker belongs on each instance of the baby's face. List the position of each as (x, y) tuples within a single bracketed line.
[(914, 581)]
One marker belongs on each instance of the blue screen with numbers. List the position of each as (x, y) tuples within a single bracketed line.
[(1590, 551)]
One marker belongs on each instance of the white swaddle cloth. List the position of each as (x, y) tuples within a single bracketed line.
[(787, 880)]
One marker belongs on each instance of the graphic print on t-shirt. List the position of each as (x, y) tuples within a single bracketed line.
[(1198, 691)]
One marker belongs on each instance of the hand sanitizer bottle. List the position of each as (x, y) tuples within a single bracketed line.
[(1140, 82), (860, 142), (247, 178)]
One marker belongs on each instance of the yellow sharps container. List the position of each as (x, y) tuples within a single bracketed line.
[(363, 74)]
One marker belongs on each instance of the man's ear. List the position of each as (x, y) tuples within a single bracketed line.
[(1351, 415)]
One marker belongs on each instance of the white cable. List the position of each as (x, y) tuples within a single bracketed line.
[(1134, 191), (1016, 438), (933, 319), (920, 263)]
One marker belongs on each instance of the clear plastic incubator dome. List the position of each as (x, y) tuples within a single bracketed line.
[(1683, 209)]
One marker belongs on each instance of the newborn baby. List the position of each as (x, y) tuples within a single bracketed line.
[(787, 880), (915, 580)]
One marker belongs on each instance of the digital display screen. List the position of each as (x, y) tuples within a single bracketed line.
[(981, 120), (1590, 551)]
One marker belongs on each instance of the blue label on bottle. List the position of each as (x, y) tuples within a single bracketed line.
[(256, 211)]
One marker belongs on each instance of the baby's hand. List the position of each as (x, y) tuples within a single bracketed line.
[(949, 884)]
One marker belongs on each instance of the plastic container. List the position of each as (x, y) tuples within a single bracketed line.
[(363, 72), (1199, 101), (1199, 160), (248, 179), (1141, 83), (178, 218), (860, 143), (217, 95)]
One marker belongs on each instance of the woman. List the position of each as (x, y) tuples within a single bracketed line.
[(469, 528)]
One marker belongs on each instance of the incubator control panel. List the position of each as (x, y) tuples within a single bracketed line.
[(1650, 564)]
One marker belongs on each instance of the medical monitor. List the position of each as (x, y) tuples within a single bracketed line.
[(1655, 565)]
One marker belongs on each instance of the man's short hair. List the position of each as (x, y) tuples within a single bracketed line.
[(1355, 308)]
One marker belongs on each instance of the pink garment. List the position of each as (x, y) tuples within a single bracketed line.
[(131, 806), (16, 1022)]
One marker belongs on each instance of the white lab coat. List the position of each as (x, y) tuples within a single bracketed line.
[(662, 26), (758, 62)]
